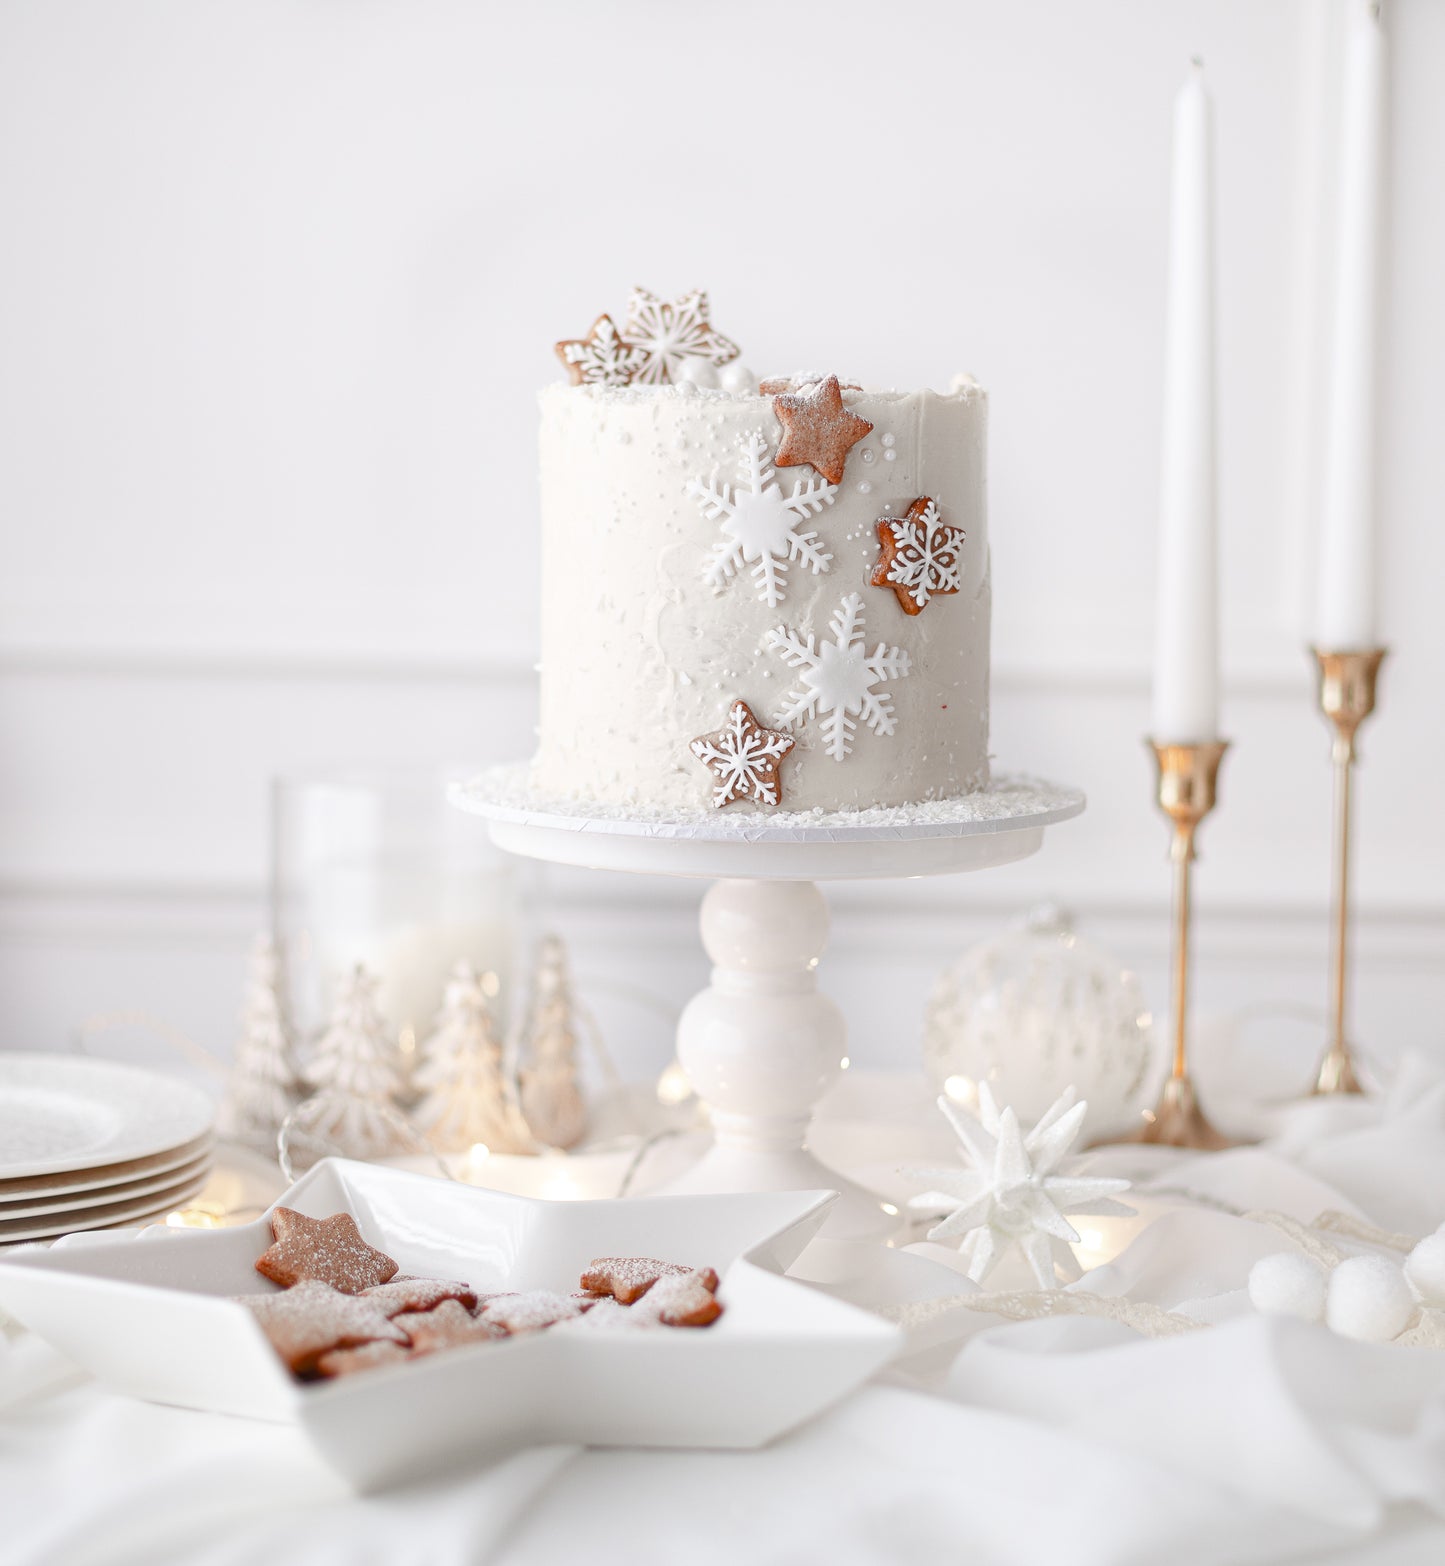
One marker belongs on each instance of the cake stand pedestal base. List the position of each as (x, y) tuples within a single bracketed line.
[(761, 1045)]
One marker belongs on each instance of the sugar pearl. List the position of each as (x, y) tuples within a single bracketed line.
[(696, 372), (1425, 1270), (1369, 1300), (737, 379), (1288, 1285)]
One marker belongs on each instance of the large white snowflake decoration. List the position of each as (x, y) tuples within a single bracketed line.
[(668, 333), (922, 556), (760, 522), (1009, 1194), (838, 678)]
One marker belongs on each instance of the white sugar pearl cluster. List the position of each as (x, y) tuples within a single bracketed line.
[(1369, 1298), (735, 378)]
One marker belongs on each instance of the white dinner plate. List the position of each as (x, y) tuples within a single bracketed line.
[(104, 1195), (80, 1180), (60, 1113), (154, 1316), (140, 1209)]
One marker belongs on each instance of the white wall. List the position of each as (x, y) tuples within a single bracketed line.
[(278, 284)]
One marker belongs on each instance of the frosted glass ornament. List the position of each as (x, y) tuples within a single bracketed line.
[(1035, 1011)]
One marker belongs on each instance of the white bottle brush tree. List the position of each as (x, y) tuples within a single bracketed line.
[(465, 1094), (356, 1070), (551, 1100), (263, 1087)]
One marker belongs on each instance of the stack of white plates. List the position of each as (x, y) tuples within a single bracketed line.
[(89, 1144)]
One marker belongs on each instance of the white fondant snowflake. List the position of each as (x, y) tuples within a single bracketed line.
[(838, 678), (926, 556), (667, 333), (1009, 1194), (760, 522)]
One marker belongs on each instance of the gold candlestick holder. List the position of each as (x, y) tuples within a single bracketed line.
[(1188, 776), (1345, 690)]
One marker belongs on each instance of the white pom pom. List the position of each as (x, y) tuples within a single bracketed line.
[(1425, 1271), (738, 379), (696, 372), (1288, 1285), (1369, 1300)]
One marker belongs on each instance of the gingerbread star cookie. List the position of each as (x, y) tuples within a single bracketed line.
[(920, 557), (515, 1314), (365, 1356), (817, 429), (601, 358), (404, 1295), (628, 1278), (307, 1320), (744, 757), (322, 1250), (450, 1325), (771, 385), (687, 1301)]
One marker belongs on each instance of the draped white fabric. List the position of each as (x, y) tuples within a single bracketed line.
[(1068, 1439)]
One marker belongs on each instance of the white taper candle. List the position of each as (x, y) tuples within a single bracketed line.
[(1346, 614), (1186, 664)]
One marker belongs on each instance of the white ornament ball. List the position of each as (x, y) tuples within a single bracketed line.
[(1368, 1300), (1425, 1270), (1288, 1285), (1036, 1010), (696, 372), (738, 379)]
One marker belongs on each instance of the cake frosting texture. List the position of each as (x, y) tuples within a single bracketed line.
[(683, 571)]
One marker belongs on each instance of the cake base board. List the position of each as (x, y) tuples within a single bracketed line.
[(993, 826)]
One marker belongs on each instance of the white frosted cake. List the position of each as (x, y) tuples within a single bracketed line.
[(767, 598)]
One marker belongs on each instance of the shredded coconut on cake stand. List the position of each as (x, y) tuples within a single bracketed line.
[(507, 793), (760, 1046)]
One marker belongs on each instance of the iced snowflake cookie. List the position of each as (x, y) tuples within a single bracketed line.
[(744, 757), (919, 556)]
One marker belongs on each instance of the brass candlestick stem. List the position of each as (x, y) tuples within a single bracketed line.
[(1187, 787), (1345, 691)]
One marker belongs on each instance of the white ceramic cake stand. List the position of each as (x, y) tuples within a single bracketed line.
[(761, 1045)]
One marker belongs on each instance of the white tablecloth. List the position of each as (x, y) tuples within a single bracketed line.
[(1066, 1439)]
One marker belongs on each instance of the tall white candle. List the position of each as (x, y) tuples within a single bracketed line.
[(1186, 663), (1346, 616)]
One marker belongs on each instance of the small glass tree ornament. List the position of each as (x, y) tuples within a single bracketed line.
[(1034, 1011)]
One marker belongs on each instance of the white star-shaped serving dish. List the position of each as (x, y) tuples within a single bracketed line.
[(155, 1318)]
